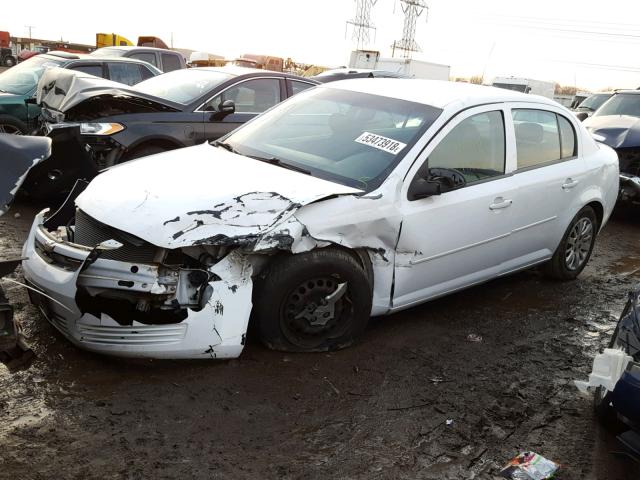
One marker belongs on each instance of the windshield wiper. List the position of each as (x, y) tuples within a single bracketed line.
[(280, 163), (224, 145)]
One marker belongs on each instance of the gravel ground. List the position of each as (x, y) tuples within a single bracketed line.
[(377, 410)]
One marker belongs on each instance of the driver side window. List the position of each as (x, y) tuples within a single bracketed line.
[(475, 147), (252, 96)]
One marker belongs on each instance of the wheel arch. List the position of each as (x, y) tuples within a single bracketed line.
[(168, 142)]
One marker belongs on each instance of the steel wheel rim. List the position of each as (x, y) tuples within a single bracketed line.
[(579, 244), (300, 331), (9, 129)]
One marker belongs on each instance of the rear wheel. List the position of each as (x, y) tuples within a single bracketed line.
[(12, 125), (313, 301), (575, 248), (9, 61)]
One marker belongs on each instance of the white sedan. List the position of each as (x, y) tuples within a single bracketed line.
[(353, 199)]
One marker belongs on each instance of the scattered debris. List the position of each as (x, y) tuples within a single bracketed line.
[(529, 466), (16, 215), (449, 422), (333, 387), (474, 337)]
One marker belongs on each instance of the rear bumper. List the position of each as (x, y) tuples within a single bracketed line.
[(216, 331)]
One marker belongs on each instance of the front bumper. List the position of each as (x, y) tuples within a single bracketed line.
[(629, 188), (218, 330)]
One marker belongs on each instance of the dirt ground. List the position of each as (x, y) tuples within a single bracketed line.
[(376, 410)]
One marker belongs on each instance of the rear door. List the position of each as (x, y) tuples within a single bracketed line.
[(549, 175), (251, 97), (460, 237)]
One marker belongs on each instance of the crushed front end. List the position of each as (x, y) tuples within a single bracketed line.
[(629, 159), (110, 292)]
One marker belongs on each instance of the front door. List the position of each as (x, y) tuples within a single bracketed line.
[(460, 237), (251, 98)]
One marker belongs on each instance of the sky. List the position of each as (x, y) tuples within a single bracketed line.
[(576, 43)]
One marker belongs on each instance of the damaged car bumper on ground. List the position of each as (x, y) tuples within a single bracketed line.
[(134, 308)]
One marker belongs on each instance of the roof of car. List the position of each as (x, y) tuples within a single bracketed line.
[(79, 57), (134, 47), (236, 71), (437, 93)]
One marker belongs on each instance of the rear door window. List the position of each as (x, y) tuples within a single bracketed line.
[(127, 73), (95, 70), (170, 62), (297, 86), (148, 57), (542, 137)]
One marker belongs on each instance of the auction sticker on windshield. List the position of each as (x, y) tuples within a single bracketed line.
[(385, 144)]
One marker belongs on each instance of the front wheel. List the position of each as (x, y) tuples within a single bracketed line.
[(313, 301), (576, 246)]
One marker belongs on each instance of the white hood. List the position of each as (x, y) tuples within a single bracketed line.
[(200, 195)]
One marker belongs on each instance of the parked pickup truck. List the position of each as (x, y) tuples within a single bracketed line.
[(165, 60)]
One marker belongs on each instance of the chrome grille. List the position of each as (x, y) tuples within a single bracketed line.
[(90, 232)]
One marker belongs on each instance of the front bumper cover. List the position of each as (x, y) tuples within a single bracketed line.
[(217, 330)]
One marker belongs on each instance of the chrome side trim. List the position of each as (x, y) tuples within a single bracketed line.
[(460, 249), (535, 224), (477, 244)]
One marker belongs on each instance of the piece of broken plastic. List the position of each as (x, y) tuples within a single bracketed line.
[(607, 370), (529, 466)]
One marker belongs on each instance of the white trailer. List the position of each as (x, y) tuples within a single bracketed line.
[(371, 59), (526, 85)]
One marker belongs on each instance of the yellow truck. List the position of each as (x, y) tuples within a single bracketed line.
[(111, 40)]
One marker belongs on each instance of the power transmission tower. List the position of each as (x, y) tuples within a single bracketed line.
[(412, 9), (362, 25)]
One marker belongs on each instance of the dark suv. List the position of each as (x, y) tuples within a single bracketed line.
[(18, 84)]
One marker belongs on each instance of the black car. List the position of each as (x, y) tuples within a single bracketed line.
[(108, 124), (617, 124), (347, 73)]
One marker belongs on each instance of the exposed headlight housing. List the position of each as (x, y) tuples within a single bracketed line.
[(100, 128)]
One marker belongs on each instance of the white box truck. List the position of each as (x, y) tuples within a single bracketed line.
[(412, 68), (526, 85)]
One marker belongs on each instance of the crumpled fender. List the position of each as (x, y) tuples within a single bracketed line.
[(18, 155)]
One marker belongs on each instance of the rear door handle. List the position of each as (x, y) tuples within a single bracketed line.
[(500, 203), (569, 183)]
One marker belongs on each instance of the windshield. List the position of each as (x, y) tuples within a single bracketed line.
[(108, 52), (592, 103), (23, 78), (351, 138), (620, 104), (183, 86)]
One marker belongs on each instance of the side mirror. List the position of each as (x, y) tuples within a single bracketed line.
[(227, 107), (436, 182), (423, 188), (582, 116)]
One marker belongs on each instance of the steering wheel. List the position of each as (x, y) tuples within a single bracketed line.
[(448, 176)]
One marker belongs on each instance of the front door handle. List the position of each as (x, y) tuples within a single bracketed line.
[(569, 183), (500, 203)]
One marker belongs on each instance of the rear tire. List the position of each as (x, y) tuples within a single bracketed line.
[(290, 304), (12, 125), (575, 248)]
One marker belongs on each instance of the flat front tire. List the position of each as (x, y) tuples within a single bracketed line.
[(575, 248), (312, 302)]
